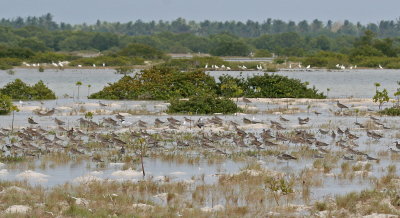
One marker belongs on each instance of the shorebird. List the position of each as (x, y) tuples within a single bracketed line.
[(317, 113), (286, 157), (323, 132), (59, 122), (102, 104), (247, 101), (283, 119), (341, 106), (31, 121), (397, 144), (126, 123)]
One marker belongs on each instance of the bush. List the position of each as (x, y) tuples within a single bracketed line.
[(5, 104), (108, 60), (392, 111), (18, 90), (272, 86), (203, 104), (159, 83), (142, 51)]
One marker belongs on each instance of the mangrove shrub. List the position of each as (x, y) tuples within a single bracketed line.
[(203, 104)]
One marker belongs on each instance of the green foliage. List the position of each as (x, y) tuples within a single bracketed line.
[(141, 51), (261, 53), (225, 45), (8, 63), (18, 90), (203, 104), (392, 111), (124, 70), (108, 60), (381, 97), (159, 83), (274, 86), (6, 104)]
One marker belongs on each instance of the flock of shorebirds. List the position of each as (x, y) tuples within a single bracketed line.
[(226, 138)]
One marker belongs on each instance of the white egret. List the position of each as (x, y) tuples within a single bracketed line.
[(309, 66), (380, 67)]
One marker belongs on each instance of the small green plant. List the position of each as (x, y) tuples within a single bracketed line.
[(279, 186), (124, 70), (6, 104), (381, 97), (89, 115)]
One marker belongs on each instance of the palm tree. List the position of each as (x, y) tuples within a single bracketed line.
[(79, 83)]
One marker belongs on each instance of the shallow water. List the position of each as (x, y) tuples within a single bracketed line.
[(154, 168), (342, 84)]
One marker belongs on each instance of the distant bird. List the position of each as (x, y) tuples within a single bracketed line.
[(341, 106), (228, 68), (380, 67), (323, 132), (308, 67), (79, 65), (247, 101), (120, 117), (244, 67), (59, 122), (283, 119), (317, 113), (126, 123), (284, 156), (102, 104), (31, 121), (206, 66), (94, 65), (104, 64)]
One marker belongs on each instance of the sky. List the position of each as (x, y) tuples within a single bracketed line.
[(89, 11)]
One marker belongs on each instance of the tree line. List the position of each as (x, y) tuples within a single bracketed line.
[(383, 28)]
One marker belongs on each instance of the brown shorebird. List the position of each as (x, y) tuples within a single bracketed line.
[(341, 106), (283, 119), (287, 157), (359, 125), (397, 144), (59, 122), (247, 101), (317, 113), (31, 121), (323, 132), (102, 104)]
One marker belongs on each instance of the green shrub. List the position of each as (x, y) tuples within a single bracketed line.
[(272, 86), (159, 83), (18, 90), (260, 53), (203, 104), (5, 104), (141, 51), (108, 60), (392, 111)]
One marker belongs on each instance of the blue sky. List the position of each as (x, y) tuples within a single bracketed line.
[(79, 11)]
